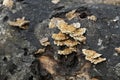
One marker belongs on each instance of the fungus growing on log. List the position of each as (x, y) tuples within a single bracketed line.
[(19, 22), (93, 56)]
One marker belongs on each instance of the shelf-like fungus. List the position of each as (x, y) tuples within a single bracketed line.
[(20, 22), (72, 14), (93, 56), (67, 51), (59, 36), (44, 42), (70, 35)]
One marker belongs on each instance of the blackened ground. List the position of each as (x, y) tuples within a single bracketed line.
[(17, 47)]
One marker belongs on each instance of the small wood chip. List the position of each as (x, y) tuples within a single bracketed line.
[(8, 3), (48, 64), (55, 1), (44, 42), (117, 49), (20, 22), (80, 38), (92, 17)]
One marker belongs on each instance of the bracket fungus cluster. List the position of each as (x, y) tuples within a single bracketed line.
[(70, 35), (93, 56)]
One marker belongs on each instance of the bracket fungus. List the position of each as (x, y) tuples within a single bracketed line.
[(54, 21), (44, 42), (72, 14), (78, 32), (59, 36), (65, 28), (78, 35), (71, 43), (80, 38), (67, 51), (59, 43), (20, 22), (93, 56)]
